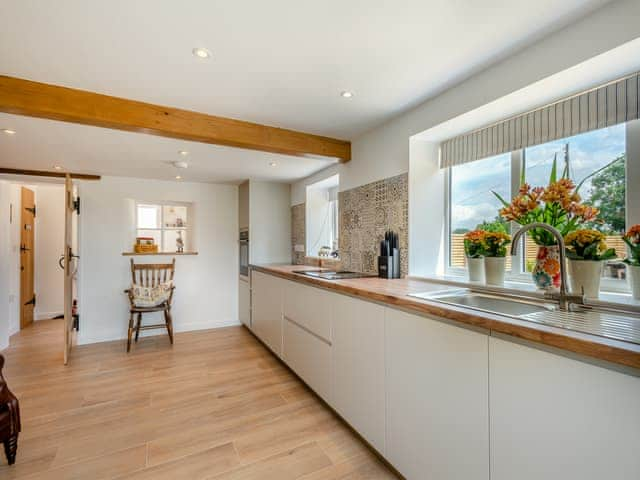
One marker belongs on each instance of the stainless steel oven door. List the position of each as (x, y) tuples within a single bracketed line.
[(244, 257)]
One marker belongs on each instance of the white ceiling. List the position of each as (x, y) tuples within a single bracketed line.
[(278, 62), (40, 144)]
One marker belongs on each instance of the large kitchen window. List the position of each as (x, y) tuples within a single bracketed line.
[(598, 158)]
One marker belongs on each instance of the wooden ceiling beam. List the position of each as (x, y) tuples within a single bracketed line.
[(45, 173), (34, 99)]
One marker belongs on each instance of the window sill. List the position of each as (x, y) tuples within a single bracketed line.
[(134, 254)]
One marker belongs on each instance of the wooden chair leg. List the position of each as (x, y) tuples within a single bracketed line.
[(10, 449), (138, 326), (169, 322), (130, 332)]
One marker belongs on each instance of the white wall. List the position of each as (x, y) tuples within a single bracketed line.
[(426, 207), (5, 264), (49, 245), (206, 284), (384, 151)]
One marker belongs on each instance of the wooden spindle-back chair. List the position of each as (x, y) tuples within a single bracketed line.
[(150, 275)]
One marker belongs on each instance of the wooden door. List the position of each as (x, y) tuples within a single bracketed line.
[(27, 244), (68, 267)]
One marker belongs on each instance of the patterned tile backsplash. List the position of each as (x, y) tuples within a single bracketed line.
[(366, 212)]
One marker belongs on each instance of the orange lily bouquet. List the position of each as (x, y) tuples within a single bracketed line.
[(558, 205)]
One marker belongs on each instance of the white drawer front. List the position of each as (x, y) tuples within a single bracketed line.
[(310, 307), (308, 356)]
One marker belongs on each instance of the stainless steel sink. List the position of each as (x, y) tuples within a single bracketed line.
[(624, 327), (332, 275), (485, 302)]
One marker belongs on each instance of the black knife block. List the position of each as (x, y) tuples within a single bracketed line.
[(385, 267), (396, 263), (389, 267)]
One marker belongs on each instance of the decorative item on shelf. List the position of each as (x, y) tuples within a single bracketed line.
[(558, 205), (632, 239), (179, 242), (474, 255), (586, 254), (145, 245), (494, 248), (324, 251), (389, 259), (179, 222)]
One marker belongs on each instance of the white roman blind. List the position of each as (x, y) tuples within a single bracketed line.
[(600, 107)]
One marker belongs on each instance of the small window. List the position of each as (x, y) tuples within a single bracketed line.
[(166, 224), (322, 218)]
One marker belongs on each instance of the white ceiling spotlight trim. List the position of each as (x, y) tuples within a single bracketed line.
[(178, 177), (184, 153), (57, 167), (8, 131), (201, 52), (180, 164), (346, 94)]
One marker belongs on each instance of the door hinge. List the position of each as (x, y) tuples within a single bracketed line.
[(31, 209), (76, 205), (32, 301)]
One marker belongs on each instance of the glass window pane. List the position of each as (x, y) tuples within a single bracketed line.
[(175, 216), (598, 158), (472, 202), (148, 216)]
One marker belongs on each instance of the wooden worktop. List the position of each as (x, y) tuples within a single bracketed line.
[(394, 293)]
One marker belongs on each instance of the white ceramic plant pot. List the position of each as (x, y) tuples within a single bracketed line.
[(494, 270), (475, 268), (585, 274), (633, 272)]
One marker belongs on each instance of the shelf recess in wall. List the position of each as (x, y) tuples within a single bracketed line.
[(134, 254)]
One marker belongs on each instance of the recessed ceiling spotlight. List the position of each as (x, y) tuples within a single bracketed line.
[(346, 94), (9, 131), (178, 177), (184, 153), (57, 167), (273, 164), (180, 164), (201, 52)]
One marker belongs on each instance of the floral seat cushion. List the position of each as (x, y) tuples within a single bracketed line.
[(147, 297)]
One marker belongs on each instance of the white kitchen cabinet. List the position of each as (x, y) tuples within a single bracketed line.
[(358, 366), (309, 356), (244, 302), (437, 399), (266, 314), (309, 307), (556, 417)]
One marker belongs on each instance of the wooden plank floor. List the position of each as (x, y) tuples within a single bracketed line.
[(217, 405)]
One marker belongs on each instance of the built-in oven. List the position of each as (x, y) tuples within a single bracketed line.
[(244, 252)]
